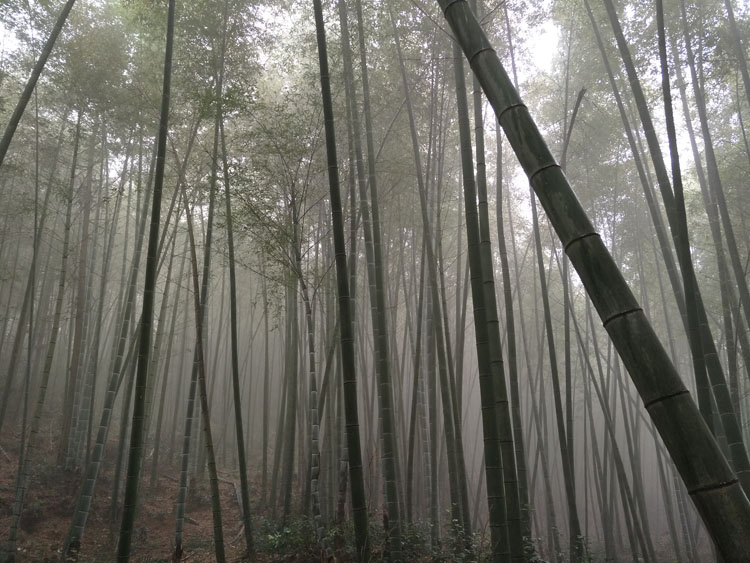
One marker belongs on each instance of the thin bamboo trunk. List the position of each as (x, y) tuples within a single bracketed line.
[(200, 297), (8, 551), (494, 463), (738, 48), (167, 362), (359, 508), (81, 312), (30, 282), (458, 488), (144, 347), (244, 488), (502, 406), (576, 540)]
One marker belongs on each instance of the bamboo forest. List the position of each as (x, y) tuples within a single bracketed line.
[(386, 280)]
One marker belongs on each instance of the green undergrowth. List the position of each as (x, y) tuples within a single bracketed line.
[(295, 540)]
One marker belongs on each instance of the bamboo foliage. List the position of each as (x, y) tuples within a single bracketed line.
[(23, 101)]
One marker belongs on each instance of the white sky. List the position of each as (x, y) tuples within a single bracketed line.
[(542, 48), (8, 42)]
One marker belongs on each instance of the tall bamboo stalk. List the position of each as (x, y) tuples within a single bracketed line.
[(144, 346), (359, 507), (494, 463)]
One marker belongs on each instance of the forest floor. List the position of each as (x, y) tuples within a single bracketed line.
[(52, 495), (53, 491)]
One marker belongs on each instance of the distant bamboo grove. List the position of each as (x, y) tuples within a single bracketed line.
[(409, 314)]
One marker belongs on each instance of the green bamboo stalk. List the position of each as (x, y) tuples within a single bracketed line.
[(359, 507), (144, 347), (200, 296), (8, 551), (385, 385), (26, 305), (457, 487), (153, 479), (518, 439), (576, 543), (738, 47), (416, 387), (729, 419), (502, 405), (244, 488), (494, 463)]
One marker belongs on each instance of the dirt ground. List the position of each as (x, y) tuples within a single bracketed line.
[(51, 499)]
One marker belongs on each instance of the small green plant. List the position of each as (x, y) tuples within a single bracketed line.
[(529, 550), (296, 536), (416, 540)]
